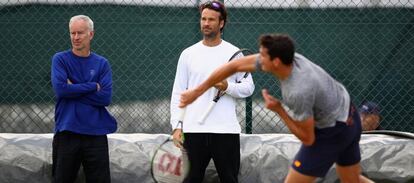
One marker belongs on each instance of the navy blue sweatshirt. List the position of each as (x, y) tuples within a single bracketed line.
[(80, 108)]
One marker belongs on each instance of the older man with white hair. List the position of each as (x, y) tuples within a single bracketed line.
[(82, 82)]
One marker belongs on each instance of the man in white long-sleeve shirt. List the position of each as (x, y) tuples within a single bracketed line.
[(218, 137)]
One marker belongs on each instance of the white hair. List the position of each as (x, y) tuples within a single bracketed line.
[(84, 18)]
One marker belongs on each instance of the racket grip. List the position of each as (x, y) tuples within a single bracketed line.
[(207, 112), (181, 114)]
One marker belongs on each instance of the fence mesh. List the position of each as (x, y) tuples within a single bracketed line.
[(366, 45)]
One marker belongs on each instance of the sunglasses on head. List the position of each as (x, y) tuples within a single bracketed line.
[(213, 5)]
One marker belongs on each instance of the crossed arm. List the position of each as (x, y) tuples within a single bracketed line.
[(244, 64), (92, 93)]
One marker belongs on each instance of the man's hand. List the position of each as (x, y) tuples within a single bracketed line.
[(188, 97), (271, 102), (222, 85), (69, 81), (98, 87), (178, 138)]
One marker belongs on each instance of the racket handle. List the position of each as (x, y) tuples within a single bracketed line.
[(181, 114), (207, 112)]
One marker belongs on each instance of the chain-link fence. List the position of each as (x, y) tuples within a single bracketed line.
[(367, 45)]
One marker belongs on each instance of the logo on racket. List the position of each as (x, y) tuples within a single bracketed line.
[(170, 163)]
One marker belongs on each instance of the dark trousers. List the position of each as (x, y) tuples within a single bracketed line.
[(224, 149), (70, 150), (338, 144)]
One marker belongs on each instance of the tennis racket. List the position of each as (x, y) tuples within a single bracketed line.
[(170, 164), (220, 93), (392, 133)]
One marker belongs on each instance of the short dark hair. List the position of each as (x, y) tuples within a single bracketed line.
[(216, 6), (280, 46)]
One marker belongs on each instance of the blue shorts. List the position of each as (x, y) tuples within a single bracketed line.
[(338, 144)]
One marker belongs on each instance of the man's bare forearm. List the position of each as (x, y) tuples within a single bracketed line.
[(304, 130), (244, 64)]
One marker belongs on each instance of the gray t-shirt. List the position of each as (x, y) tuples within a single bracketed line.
[(311, 91)]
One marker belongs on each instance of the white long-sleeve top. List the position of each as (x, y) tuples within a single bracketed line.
[(195, 65)]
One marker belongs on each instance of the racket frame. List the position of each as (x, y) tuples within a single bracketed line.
[(181, 160), (220, 93)]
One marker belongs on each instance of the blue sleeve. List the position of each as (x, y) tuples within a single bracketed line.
[(59, 77), (104, 95)]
